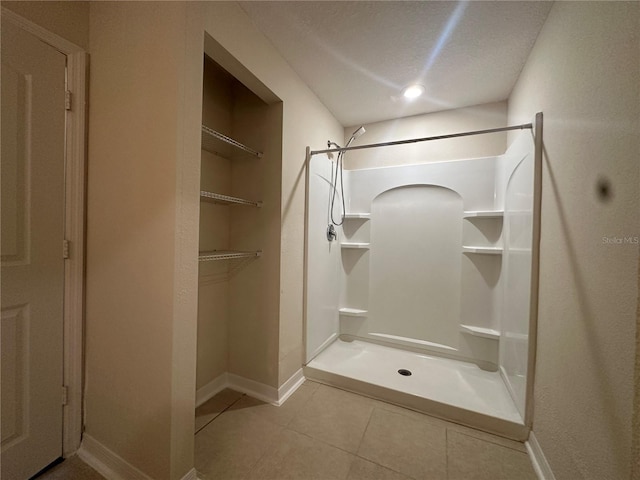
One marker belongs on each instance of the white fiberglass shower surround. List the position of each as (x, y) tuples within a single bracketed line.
[(427, 298)]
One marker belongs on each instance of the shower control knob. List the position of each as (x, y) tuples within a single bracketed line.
[(331, 233)]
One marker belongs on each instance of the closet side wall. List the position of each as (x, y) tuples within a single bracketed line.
[(253, 313), (213, 285)]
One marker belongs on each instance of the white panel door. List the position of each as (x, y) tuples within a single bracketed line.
[(32, 216)]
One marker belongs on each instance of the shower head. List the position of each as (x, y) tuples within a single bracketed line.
[(360, 131), (355, 135)]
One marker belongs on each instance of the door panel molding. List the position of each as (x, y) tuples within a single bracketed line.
[(15, 393), (75, 175), (16, 203)]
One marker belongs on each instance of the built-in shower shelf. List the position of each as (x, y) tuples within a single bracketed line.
[(226, 255), (353, 312), (357, 216), (227, 200), (482, 250), (480, 331), (483, 214), (355, 245), (218, 144)]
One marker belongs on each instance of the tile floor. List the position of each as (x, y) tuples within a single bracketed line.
[(71, 469), (325, 433)]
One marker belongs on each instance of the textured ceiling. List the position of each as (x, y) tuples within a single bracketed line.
[(357, 56)]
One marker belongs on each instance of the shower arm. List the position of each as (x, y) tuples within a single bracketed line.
[(424, 139)]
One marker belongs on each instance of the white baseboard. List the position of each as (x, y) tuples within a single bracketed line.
[(112, 466), (539, 461), (290, 386), (254, 389), (211, 389), (107, 463), (266, 393)]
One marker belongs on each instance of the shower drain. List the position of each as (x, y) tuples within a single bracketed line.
[(404, 372)]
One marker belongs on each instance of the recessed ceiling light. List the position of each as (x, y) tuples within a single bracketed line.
[(413, 91)]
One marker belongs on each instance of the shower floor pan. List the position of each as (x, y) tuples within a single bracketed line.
[(450, 389)]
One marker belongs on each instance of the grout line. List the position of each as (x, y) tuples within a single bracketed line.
[(231, 405), (386, 467), (352, 460), (321, 441), (200, 429), (491, 442), (301, 407), (364, 432), (446, 452), (220, 413)]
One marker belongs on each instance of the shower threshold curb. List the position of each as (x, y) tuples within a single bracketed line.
[(479, 421)]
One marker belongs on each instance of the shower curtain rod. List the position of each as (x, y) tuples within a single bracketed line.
[(424, 139)]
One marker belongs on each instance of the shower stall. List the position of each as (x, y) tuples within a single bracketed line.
[(426, 294)]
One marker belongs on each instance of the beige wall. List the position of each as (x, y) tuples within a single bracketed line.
[(491, 115), (139, 328), (70, 20), (583, 74)]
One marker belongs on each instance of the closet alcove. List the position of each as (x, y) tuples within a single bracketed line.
[(238, 235)]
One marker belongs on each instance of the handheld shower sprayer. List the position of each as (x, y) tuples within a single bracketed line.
[(360, 131), (331, 233)]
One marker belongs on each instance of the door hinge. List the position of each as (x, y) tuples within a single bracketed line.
[(65, 395), (67, 100), (65, 248)]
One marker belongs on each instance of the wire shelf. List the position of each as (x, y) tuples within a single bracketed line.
[(211, 143), (227, 200), (226, 255)]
